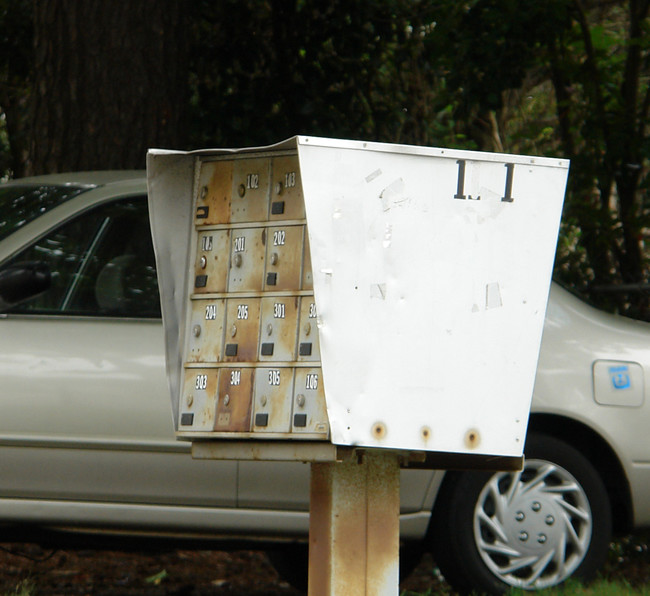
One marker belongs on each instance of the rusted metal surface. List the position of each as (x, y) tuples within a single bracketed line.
[(308, 338), (241, 329), (234, 399), (247, 256), (286, 189), (278, 331), (205, 339), (283, 258), (309, 410), (214, 193), (211, 265), (250, 190), (273, 399), (354, 527)]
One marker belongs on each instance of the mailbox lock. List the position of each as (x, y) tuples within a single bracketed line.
[(233, 331), (204, 192), (241, 190), (300, 400), (226, 399), (269, 329), (203, 262), (274, 258), (190, 399), (196, 330), (263, 400), (307, 328), (237, 260)]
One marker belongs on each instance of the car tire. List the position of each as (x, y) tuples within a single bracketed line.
[(531, 529)]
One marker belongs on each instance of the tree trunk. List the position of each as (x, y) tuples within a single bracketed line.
[(110, 81)]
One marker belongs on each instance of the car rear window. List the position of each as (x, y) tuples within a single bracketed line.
[(20, 204)]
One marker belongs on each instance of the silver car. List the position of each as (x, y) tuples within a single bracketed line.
[(86, 433)]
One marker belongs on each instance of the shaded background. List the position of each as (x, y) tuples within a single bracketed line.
[(94, 84)]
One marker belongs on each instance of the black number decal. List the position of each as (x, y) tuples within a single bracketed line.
[(510, 167), (460, 188)]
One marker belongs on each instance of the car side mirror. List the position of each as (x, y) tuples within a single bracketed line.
[(21, 281)]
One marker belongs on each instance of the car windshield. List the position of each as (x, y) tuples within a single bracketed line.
[(20, 204)]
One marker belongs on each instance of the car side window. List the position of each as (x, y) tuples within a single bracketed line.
[(102, 264)]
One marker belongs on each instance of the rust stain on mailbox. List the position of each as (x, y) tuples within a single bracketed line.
[(214, 193), (241, 329), (278, 330), (211, 266), (234, 403)]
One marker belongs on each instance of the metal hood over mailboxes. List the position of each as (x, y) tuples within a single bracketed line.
[(428, 272)]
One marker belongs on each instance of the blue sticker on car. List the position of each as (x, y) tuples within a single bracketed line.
[(620, 376)]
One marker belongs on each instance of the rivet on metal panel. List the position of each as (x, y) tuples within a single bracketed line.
[(196, 330), (379, 430), (426, 433), (472, 438)]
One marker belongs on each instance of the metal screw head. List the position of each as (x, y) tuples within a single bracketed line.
[(523, 536), (536, 506), (519, 516), (541, 538), (550, 520), (196, 330)]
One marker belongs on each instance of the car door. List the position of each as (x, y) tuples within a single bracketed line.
[(85, 410)]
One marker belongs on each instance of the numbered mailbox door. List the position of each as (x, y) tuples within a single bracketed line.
[(241, 329), (205, 339), (198, 401), (214, 193), (279, 327), (309, 409), (287, 200), (273, 392), (284, 258), (235, 396), (247, 255), (211, 266), (250, 190)]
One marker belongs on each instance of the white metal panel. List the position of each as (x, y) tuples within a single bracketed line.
[(430, 307)]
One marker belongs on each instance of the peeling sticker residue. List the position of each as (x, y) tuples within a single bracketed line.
[(393, 195), (378, 291), (388, 236), (372, 176), (493, 296)]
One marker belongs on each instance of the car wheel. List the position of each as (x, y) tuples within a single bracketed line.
[(531, 529)]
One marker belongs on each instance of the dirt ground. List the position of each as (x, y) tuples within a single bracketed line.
[(217, 573), (173, 573)]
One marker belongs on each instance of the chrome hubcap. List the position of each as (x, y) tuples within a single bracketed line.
[(532, 528)]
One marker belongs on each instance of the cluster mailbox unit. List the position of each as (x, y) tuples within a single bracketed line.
[(358, 306), (354, 294)]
